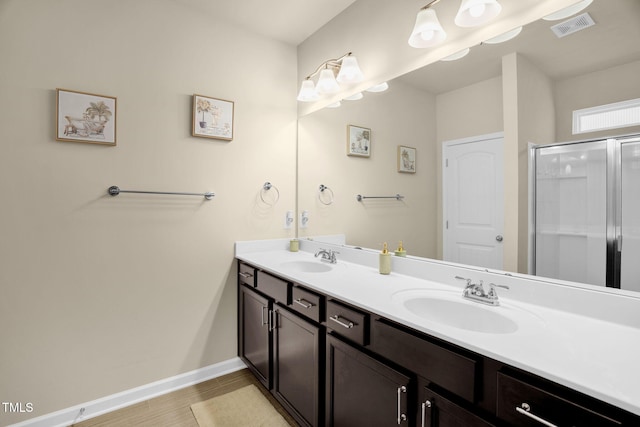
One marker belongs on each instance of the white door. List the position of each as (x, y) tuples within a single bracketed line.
[(473, 201)]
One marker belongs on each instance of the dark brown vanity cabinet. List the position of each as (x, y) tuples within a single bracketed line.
[(296, 358), (283, 349), (334, 364), (362, 391), (254, 333)]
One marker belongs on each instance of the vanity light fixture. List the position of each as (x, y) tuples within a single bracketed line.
[(379, 87), (427, 31), (568, 11), (354, 97), (504, 36), (457, 55), (348, 73), (477, 12)]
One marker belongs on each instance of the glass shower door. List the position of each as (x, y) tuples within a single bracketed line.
[(629, 243), (571, 212)]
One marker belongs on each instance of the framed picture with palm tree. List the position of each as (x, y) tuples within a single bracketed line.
[(212, 118), (85, 117)]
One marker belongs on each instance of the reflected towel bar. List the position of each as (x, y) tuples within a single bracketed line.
[(114, 190), (360, 197)]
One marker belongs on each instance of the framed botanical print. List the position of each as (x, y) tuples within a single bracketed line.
[(406, 159), (85, 117), (358, 141), (212, 118)]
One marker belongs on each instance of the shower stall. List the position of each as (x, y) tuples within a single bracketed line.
[(586, 211)]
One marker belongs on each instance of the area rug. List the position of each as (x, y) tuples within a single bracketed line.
[(245, 407)]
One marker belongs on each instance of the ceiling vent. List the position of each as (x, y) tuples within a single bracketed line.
[(573, 25)]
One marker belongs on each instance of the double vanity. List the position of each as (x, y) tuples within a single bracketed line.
[(432, 344)]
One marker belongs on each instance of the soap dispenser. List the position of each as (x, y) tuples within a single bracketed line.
[(400, 251), (385, 260)]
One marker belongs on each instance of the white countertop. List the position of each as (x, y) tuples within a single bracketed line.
[(583, 337)]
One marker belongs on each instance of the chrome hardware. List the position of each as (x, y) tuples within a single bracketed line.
[(360, 197), (303, 302), (245, 275), (336, 319), (525, 409), (401, 416), (263, 308), (273, 320), (499, 238), (476, 292), (114, 190), (327, 255), (426, 404)]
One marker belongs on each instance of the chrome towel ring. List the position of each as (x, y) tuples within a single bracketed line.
[(266, 187), (324, 190)]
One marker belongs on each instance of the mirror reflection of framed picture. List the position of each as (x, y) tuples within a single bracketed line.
[(406, 159), (358, 141)]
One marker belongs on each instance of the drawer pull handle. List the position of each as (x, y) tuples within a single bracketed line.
[(303, 302), (525, 410), (401, 417), (426, 404), (245, 275), (336, 319)]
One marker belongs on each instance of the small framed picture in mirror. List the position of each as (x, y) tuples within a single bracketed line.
[(406, 159), (358, 141)]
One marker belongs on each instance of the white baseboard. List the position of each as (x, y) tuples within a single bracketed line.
[(74, 414)]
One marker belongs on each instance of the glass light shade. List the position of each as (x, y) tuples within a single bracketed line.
[(568, 11), (427, 32), (504, 36), (355, 97), (477, 12), (379, 88), (350, 71), (457, 55), (308, 92), (327, 82)]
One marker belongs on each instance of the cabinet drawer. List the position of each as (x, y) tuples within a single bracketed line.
[(247, 274), (307, 303), (448, 369), (520, 403), (277, 289), (348, 322)]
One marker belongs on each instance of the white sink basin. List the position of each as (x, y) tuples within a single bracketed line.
[(451, 309), (306, 266)]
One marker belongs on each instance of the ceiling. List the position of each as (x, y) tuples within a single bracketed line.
[(614, 40), (290, 21)]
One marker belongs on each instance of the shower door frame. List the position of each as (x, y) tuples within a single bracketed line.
[(613, 235)]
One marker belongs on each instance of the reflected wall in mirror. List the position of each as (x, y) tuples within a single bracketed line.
[(526, 88)]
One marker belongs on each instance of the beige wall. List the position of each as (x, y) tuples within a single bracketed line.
[(529, 118), (102, 294), (603, 87), (401, 116)]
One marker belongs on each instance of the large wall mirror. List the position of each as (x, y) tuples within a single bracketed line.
[(523, 90)]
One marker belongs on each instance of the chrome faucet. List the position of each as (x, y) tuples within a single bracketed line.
[(327, 255), (476, 292)]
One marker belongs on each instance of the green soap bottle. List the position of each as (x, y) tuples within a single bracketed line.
[(385, 260), (400, 251)]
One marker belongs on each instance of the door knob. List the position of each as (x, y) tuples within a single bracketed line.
[(499, 238)]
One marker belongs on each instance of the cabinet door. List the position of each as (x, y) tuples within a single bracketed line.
[(362, 391), (436, 410), (254, 334), (296, 348)]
